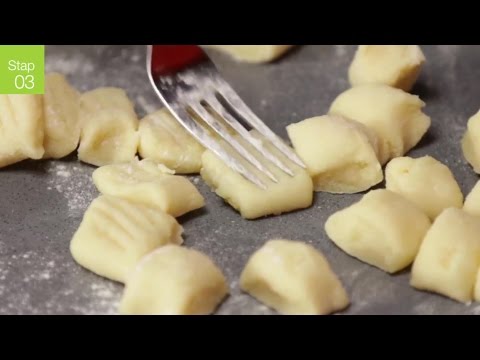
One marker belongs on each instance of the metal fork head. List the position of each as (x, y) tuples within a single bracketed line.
[(191, 87)]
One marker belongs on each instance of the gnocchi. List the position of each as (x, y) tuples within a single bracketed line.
[(470, 143), (340, 154), (163, 139), (21, 128), (174, 281), (394, 115), (293, 278), (476, 294), (109, 127), (449, 257), (426, 182), (383, 229), (116, 233), (149, 183), (62, 123), (289, 193), (472, 201), (394, 65)]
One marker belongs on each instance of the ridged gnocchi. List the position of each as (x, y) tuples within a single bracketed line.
[(149, 183), (115, 233), (21, 128)]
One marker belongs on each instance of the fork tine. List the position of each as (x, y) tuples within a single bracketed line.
[(223, 132), (237, 103), (212, 101), (208, 142)]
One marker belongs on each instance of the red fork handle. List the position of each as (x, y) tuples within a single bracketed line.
[(167, 59)]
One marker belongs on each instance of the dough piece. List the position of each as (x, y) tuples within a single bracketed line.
[(383, 229), (149, 183), (109, 127), (394, 115), (471, 143), (253, 53), (393, 65), (164, 139), (449, 258), (116, 233), (21, 128), (174, 281), (426, 182), (477, 288), (472, 201), (340, 154), (62, 117), (289, 193), (293, 278)]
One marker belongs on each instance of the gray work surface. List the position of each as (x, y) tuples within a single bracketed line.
[(42, 202)]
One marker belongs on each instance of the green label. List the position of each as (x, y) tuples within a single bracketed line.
[(22, 69)]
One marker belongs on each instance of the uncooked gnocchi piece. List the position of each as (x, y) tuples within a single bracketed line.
[(116, 233), (340, 154), (449, 257), (174, 281), (61, 104), (253, 53), (426, 182), (163, 139), (472, 201), (293, 278), (21, 128), (471, 142), (289, 193), (149, 183), (109, 127), (383, 229), (394, 65), (394, 115), (476, 294)]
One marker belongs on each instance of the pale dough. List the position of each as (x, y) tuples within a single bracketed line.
[(383, 229), (149, 183), (289, 193), (476, 294), (174, 281), (394, 65), (21, 128), (424, 181), (253, 53), (293, 278), (62, 117), (164, 139), (116, 233), (472, 201), (340, 154), (394, 115), (471, 142), (109, 127), (449, 258)]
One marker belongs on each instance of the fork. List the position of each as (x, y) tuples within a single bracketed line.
[(190, 86)]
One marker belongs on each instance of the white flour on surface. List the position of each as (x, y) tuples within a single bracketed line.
[(44, 268), (147, 107), (75, 65), (74, 182)]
